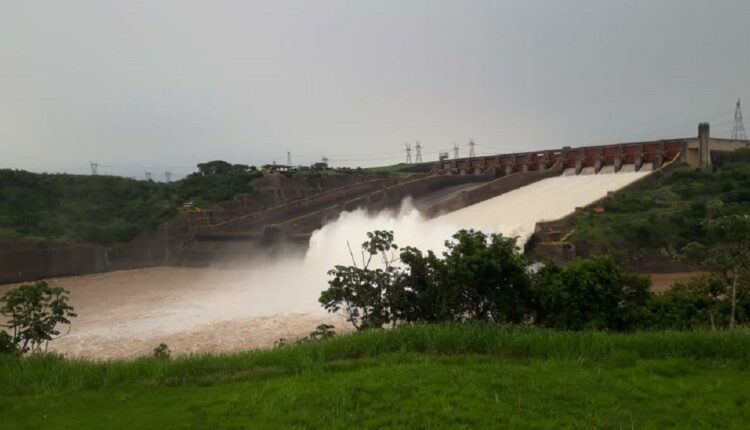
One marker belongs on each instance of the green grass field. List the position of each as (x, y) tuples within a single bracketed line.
[(447, 376)]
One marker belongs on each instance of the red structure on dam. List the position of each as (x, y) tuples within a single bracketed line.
[(694, 151)]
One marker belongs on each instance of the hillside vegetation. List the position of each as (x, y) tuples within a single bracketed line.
[(654, 223), (433, 376), (105, 210)]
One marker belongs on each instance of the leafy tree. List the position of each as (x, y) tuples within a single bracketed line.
[(421, 292), (480, 277), (727, 254), (34, 312), (358, 292), (489, 275), (700, 302), (590, 293)]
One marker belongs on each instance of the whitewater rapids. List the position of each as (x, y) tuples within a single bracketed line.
[(126, 314)]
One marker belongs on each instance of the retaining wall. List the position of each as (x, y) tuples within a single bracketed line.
[(379, 200)]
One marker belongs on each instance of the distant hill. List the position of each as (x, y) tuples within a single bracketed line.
[(106, 210), (401, 168)]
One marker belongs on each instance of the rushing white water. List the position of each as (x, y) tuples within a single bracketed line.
[(193, 310), (514, 213)]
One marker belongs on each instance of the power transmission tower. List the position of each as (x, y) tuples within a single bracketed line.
[(148, 175), (455, 150), (419, 152), (472, 152), (94, 167), (408, 153), (168, 176), (288, 158), (324, 160), (738, 132)]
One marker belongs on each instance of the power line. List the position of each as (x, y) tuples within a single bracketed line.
[(738, 131)]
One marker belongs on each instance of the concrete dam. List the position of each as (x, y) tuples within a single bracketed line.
[(279, 222)]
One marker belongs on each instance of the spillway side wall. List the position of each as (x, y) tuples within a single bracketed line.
[(379, 200)]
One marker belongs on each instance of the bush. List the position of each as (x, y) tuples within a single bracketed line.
[(35, 313), (590, 293), (7, 346), (686, 306), (162, 352)]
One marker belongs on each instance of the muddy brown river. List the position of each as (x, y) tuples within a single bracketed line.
[(126, 314)]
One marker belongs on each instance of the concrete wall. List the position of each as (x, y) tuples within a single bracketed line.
[(22, 260), (275, 190), (297, 208), (389, 197)]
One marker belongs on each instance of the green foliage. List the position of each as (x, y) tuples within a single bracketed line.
[(480, 277), (360, 292), (219, 167), (101, 210), (216, 185), (648, 224), (34, 313), (7, 346), (726, 253), (400, 169), (486, 278), (107, 210), (321, 332), (698, 303), (490, 275), (162, 352), (590, 293)]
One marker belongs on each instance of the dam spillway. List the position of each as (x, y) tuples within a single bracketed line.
[(514, 213)]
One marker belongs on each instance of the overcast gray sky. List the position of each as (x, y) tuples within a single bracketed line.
[(156, 85)]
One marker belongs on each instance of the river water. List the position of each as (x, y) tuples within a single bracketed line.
[(193, 310)]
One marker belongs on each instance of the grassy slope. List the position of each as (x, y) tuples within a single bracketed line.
[(643, 223), (450, 376)]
